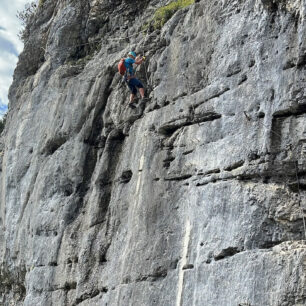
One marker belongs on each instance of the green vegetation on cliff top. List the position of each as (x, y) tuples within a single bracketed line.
[(163, 14)]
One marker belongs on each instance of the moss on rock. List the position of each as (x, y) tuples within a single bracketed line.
[(163, 14)]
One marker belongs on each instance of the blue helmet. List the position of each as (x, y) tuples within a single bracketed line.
[(132, 53)]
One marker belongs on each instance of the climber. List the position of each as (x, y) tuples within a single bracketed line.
[(130, 78)]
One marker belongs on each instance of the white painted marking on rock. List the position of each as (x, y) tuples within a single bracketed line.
[(183, 263)]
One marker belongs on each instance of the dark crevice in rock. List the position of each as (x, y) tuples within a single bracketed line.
[(299, 110), (104, 289), (155, 276), (94, 143), (231, 251), (104, 183), (46, 232), (298, 186), (171, 127), (54, 144), (301, 62), (126, 176), (276, 134), (51, 264), (251, 63), (68, 189), (242, 79), (70, 286), (102, 258), (206, 183), (87, 296), (83, 187), (94, 137), (72, 260), (183, 94), (187, 152), (102, 208), (273, 6), (289, 64), (178, 178), (168, 145), (188, 267), (233, 69), (209, 172), (169, 130), (217, 170), (111, 156), (174, 264), (204, 117), (236, 165), (167, 161), (228, 252), (277, 173), (90, 162), (269, 244)]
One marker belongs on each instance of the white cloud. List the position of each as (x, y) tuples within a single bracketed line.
[(9, 29), (7, 65), (8, 62), (9, 21)]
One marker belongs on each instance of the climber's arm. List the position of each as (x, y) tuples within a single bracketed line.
[(138, 60)]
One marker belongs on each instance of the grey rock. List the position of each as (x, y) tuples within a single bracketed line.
[(196, 196)]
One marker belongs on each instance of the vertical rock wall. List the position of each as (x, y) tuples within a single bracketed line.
[(195, 197)]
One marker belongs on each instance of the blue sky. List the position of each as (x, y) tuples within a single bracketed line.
[(10, 46)]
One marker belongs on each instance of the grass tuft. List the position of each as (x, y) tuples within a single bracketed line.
[(41, 3), (163, 14)]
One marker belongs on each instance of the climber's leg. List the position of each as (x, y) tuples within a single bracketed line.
[(139, 85), (133, 90), (141, 91), (132, 97)]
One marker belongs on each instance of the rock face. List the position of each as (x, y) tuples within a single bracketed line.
[(195, 197)]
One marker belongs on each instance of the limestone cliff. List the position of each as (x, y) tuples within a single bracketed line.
[(195, 197)]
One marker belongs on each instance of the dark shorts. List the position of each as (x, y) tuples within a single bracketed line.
[(133, 85)]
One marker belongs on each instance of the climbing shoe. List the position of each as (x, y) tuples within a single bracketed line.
[(132, 105)]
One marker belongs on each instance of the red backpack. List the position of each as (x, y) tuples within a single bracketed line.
[(121, 67)]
